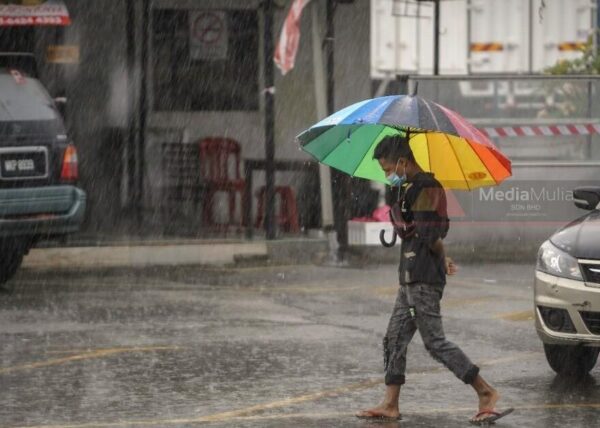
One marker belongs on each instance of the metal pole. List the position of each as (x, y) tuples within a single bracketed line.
[(321, 100), (131, 131), (436, 37), (596, 28), (590, 97), (341, 181), (469, 35), (329, 46), (269, 119), (143, 110), (530, 35)]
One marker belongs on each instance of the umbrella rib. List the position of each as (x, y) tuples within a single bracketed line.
[(457, 160), (437, 124)]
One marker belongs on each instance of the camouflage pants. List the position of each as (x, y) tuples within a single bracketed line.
[(418, 308)]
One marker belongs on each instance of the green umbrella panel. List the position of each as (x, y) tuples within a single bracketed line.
[(350, 149)]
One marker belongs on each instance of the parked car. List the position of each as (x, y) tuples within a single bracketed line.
[(39, 197), (25, 62), (567, 290)]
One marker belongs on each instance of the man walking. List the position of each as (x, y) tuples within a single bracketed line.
[(421, 220)]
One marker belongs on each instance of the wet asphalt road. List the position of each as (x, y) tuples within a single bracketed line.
[(293, 346)]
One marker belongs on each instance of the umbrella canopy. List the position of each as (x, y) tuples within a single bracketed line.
[(442, 141)]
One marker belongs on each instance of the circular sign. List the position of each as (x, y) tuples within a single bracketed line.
[(208, 28)]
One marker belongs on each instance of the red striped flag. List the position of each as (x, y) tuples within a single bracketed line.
[(287, 46)]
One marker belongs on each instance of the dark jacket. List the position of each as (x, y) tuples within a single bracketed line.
[(420, 218)]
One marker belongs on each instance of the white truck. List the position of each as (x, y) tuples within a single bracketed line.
[(478, 36)]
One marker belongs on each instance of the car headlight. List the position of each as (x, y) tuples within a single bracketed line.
[(556, 262)]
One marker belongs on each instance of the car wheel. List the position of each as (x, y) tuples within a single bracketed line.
[(11, 257), (572, 361)]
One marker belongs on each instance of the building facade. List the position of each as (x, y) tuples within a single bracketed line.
[(197, 68)]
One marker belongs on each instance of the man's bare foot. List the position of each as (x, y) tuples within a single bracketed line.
[(381, 411), (488, 397), (487, 401)]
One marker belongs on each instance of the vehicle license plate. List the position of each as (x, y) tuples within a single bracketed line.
[(22, 165)]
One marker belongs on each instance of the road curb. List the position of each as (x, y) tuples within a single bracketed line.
[(154, 253), (141, 255)]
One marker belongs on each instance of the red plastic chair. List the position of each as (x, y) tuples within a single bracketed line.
[(288, 213), (220, 169)]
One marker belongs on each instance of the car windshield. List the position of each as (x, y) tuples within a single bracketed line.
[(23, 98)]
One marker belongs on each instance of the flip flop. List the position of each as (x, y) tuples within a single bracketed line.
[(493, 416), (372, 416)]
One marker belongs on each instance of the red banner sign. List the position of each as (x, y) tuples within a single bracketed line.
[(48, 12), (287, 46)]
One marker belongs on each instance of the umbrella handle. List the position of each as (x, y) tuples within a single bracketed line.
[(384, 242)]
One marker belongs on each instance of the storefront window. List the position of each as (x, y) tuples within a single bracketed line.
[(205, 60)]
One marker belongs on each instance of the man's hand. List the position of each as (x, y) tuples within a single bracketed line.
[(451, 268)]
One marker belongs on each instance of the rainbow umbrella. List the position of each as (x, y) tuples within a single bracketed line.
[(442, 141)]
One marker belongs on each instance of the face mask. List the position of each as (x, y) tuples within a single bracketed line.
[(394, 179)]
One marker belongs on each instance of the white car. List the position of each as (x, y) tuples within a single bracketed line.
[(567, 290)]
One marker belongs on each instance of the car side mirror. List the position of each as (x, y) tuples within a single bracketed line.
[(587, 198), (61, 105)]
